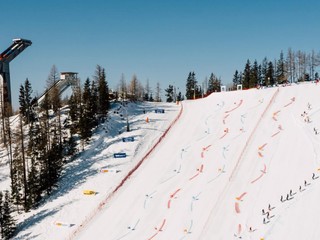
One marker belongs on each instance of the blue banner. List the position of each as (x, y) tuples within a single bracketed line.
[(119, 155), (128, 139)]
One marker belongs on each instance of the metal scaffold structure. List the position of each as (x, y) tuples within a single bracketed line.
[(67, 79), (6, 57)]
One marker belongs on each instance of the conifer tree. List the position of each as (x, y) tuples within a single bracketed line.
[(70, 146), (281, 73), (254, 72), (247, 75), (191, 86), (86, 119), (94, 107), (33, 181), (169, 93), (42, 149), (264, 70), (103, 91), (8, 223), (22, 101), (18, 183), (75, 103), (151, 98), (211, 83), (179, 97), (54, 158), (270, 74), (1, 211), (74, 113), (30, 114), (236, 79)]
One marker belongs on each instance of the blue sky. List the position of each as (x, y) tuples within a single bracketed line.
[(157, 40)]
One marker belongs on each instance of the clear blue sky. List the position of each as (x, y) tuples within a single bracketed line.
[(157, 40)]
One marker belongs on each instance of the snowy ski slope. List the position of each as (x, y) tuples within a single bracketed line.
[(241, 164)]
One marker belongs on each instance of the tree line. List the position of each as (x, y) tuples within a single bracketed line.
[(294, 67), (41, 144), (208, 86)]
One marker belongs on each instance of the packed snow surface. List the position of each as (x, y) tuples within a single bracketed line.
[(242, 164)]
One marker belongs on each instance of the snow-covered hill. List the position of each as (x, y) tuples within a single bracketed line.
[(241, 164)]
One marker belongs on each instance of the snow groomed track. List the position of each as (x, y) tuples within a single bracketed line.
[(214, 175), (123, 181), (241, 164)]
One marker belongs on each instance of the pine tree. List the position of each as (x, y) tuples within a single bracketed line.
[(179, 97), (270, 74), (191, 86), (19, 182), (33, 153), (94, 104), (169, 93), (260, 78), (22, 101), (45, 118), (254, 71), (247, 75), (54, 158), (42, 148), (211, 87), (75, 103), (8, 223), (70, 146), (264, 70), (151, 98), (236, 79), (281, 73), (25, 101), (103, 91), (216, 84), (86, 119), (74, 114), (1, 211)]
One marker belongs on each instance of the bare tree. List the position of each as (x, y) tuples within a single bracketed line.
[(147, 91), (133, 88), (123, 87), (291, 66), (301, 65), (158, 93), (314, 62), (53, 77)]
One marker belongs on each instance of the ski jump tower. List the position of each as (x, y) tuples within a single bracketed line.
[(66, 80), (6, 57)]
